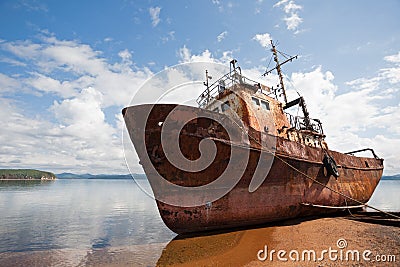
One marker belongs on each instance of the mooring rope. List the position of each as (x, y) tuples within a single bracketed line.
[(340, 193), (316, 181)]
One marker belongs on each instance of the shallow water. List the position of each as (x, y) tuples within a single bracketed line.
[(77, 216), (386, 196), (84, 222)]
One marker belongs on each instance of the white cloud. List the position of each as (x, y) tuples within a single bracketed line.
[(82, 65), (291, 7), (8, 84), (263, 39), (13, 62), (360, 118), (222, 36), (126, 56), (31, 6), (48, 84), (393, 73), (76, 135), (36, 143), (348, 126), (393, 58), (170, 36), (219, 5), (282, 2), (186, 56), (292, 19), (82, 117), (21, 48), (82, 142), (155, 15)]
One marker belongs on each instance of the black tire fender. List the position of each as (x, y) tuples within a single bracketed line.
[(331, 166)]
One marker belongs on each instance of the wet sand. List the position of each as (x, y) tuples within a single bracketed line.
[(312, 234), (235, 248)]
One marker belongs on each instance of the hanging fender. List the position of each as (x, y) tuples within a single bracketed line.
[(330, 165)]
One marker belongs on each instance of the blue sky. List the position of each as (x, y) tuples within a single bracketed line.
[(68, 67)]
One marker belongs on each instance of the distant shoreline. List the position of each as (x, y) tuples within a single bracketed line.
[(25, 174)]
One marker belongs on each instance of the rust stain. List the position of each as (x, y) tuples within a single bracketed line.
[(281, 194)]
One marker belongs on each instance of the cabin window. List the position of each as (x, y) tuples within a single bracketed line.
[(255, 101), (216, 109), (225, 106), (265, 104)]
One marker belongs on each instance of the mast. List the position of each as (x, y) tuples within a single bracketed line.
[(208, 77), (299, 101), (278, 69)]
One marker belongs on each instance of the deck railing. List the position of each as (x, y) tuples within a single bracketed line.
[(225, 83)]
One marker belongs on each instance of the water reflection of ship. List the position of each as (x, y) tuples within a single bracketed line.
[(236, 248), (296, 238)]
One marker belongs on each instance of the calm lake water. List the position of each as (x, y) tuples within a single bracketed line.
[(69, 221)]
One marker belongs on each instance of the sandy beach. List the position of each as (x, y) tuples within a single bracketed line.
[(241, 247)]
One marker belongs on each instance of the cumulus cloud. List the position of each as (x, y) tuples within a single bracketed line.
[(83, 66), (293, 21), (263, 39), (359, 118), (77, 145), (292, 18), (368, 115), (186, 56), (82, 115), (155, 15), (75, 133), (48, 84)]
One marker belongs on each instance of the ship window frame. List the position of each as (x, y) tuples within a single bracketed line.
[(225, 106), (266, 107), (255, 100)]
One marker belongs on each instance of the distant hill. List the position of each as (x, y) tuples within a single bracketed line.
[(392, 177), (25, 174), (67, 175)]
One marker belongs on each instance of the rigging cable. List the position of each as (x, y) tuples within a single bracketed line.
[(314, 180)]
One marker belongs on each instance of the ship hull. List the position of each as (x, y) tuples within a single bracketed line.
[(296, 183)]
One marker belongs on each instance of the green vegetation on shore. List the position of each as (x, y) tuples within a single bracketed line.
[(25, 174)]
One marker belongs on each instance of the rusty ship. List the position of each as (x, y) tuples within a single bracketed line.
[(274, 165)]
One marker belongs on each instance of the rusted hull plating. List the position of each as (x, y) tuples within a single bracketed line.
[(283, 193)]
